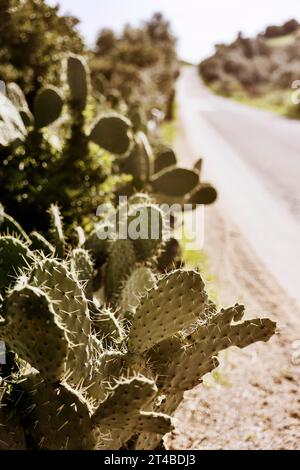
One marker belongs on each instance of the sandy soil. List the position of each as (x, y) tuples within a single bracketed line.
[(253, 400)]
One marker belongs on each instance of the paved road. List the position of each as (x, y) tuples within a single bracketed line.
[(253, 157)]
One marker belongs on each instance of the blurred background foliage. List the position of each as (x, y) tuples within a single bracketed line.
[(260, 70), (33, 39), (140, 63)]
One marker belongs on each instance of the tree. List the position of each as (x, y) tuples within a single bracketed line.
[(106, 42), (33, 39)]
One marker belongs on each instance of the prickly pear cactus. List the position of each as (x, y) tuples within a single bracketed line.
[(112, 132), (47, 107), (78, 77), (109, 372), (14, 256), (158, 173)]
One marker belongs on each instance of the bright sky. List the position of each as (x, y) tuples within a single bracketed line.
[(198, 24)]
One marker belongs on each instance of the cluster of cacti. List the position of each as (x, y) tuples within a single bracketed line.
[(157, 172), (53, 158), (50, 156), (105, 345)]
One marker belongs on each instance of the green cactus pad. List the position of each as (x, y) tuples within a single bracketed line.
[(38, 242), (14, 256), (109, 366), (205, 193), (83, 268), (146, 224), (57, 231), (67, 295), (96, 246), (139, 162), (107, 327), (120, 263), (47, 107), (157, 423), (164, 158), (198, 165), (175, 302), (42, 341), (175, 181), (71, 307), (213, 334), (77, 74), (112, 133), (140, 281), (122, 408), (12, 436)]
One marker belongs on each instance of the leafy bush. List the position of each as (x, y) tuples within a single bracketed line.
[(145, 55)]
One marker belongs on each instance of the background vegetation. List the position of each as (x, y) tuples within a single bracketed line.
[(258, 71)]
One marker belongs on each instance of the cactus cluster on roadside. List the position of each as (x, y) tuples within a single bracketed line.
[(157, 172), (105, 344)]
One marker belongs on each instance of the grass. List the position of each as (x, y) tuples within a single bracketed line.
[(278, 101), (185, 63), (198, 259)]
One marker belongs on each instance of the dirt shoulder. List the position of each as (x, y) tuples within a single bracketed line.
[(253, 400)]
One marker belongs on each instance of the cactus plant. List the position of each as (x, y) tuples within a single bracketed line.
[(112, 132), (77, 73), (47, 107), (175, 181), (43, 153), (164, 158), (156, 171), (57, 231), (110, 373), (14, 255)]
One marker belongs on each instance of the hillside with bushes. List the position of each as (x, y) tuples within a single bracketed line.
[(260, 70)]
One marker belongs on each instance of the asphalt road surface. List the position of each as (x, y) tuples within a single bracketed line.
[(253, 158)]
